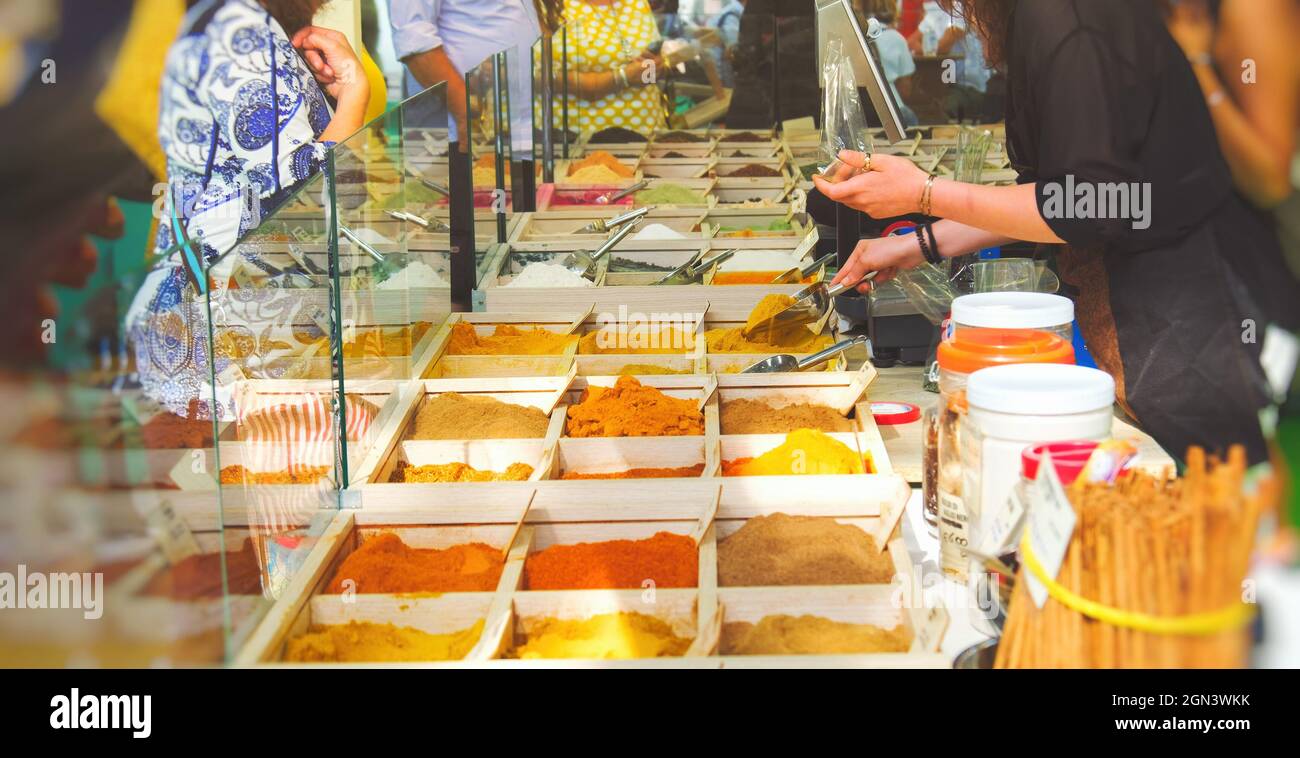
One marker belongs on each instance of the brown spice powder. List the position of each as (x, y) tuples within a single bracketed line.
[(800, 550), (809, 635), (756, 417), (640, 473), (453, 416)]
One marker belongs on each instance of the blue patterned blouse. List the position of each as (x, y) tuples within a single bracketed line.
[(239, 120)]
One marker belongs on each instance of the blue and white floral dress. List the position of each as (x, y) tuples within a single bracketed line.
[(239, 122)]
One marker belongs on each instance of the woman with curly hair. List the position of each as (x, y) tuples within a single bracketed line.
[(1178, 286)]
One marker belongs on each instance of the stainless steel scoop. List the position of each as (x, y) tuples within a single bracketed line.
[(583, 263), (785, 362), (810, 304), (603, 225), (796, 275), (433, 225), (611, 198), (692, 271)]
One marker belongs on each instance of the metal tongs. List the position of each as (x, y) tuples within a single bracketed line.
[(796, 275), (615, 197), (428, 225), (603, 225), (693, 270), (810, 304), (583, 263), (785, 362)]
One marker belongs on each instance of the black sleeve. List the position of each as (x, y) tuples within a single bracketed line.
[(1086, 140)]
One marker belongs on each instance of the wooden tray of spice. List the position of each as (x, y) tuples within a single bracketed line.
[(687, 623)]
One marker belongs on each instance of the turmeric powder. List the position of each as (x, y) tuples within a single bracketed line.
[(648, 369), (384, 563), (459, 472), (766, 337), (805, 451), (798, 339), (606, 635), (506, 340), (364, 642), (749, 277), (630, 409)]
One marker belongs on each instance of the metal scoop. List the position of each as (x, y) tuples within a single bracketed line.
[(430, 226), (810, 304), (784, 362), (602, 225), (615, 197), (796, 275), (692, 272), (583, 263)]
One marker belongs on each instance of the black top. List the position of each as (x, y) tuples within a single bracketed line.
[(1097, 89)]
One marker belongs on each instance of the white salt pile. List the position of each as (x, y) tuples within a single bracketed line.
[(658, 232), (416, 274), (548, 275)]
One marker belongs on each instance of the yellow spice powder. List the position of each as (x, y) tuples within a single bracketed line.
[(641, 340), (364, 642), (607, 635), (805, 451)]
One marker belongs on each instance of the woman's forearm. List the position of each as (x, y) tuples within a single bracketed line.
[(955, 238), (595, 85), (1007, 212), (349, 116), (1256, 169)]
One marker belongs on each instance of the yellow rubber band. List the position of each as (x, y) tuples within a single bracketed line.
[(1209, 622)]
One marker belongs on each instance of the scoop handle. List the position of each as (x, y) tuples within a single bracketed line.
[(841, 287), (820, 357)]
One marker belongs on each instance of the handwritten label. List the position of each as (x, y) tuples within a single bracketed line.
[(170, 532), (930, 632), (1051, 524)]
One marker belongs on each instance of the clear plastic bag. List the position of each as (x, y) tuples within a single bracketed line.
[(844, 126)]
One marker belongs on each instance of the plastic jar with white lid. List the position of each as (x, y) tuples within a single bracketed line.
[(1014, 310), (958, 359), (1012, 407)]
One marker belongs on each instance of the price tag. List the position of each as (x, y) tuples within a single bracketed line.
[(930, 631), (998, 535), (1278, 357), (1051, 524), (171, 533)]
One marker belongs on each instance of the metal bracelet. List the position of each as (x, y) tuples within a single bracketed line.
[(620, 78), (926, 194)]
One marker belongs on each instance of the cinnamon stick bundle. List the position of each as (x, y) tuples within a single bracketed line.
[(1161, 546)]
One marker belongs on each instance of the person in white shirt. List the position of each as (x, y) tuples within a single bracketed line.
[(946, 35), (895, 57), (440, 40)]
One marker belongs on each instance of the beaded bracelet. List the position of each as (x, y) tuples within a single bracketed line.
[(927, 252)]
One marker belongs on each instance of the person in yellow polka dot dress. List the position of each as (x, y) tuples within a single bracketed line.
[(612, 74)]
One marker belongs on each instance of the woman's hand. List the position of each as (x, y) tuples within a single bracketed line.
[(885, 255), (636, 70), (334, 63), (890, 186), (1192, 27)]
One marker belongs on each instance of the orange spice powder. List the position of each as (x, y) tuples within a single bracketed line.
[(459, 472), (384, 563), (237, 474), (669, 560), (630, 409), (506, 340)]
